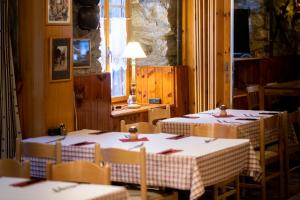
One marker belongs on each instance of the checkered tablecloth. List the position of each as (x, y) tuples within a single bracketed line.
[(200, 163), (64, 190), (246, 129)]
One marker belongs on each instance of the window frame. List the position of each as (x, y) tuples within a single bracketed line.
[(119, 99)]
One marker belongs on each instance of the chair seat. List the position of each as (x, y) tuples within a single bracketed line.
[(268, 154), (153, 195)]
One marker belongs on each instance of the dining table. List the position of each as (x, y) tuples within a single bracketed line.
[(13, 188), (184, 163), (290, 88), (247, 122)]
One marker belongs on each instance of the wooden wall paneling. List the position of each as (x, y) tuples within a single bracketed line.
[(139, 82), (158, 80), (59, 97), (181, 91), (93, 101), (151, 82), (144, 85), (168, 85)]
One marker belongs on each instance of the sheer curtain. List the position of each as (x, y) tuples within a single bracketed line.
[(10, 123), (118, 66)]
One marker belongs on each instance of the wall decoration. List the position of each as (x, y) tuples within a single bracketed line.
[(60, 59), (59, 12), (81, 53)]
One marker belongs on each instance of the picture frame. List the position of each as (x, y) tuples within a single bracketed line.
[(59, 12), (81, 53), (60, 55)]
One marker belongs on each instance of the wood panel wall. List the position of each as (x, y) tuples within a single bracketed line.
[(43, 104), (93, 101), (169, 83), (206, 42)]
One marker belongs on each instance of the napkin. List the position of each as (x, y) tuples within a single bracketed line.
[(191, 117), (177, 137), (82, 143), (268, 113), (27, 182), (169, 151), (249, 119), (134, 140), (218, 116)]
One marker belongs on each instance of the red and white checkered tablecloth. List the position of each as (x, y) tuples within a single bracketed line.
[(246, 129), (200, 164)]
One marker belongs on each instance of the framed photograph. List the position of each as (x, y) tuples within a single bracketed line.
[(58, 12), (82, 53), (60, 59)]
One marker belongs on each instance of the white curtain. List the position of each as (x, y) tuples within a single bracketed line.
[(118, 37)]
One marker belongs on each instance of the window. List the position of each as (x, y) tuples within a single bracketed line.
[(113, 42)]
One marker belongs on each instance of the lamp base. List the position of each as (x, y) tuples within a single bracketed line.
[(133, 106)]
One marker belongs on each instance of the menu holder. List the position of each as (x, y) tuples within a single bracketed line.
[(134, 140), (177, 137), (27, 182), (169, 151), (82, 143)]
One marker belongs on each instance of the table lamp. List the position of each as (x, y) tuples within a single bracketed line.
[(133, 50)]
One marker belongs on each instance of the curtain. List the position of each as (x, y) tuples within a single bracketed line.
[(10, 122)]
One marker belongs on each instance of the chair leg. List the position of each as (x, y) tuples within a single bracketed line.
[(263, 189), (216, 193), (237, 185)]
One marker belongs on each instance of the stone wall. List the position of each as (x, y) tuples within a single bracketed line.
[(94, 36), (154, 26), (258, 26)]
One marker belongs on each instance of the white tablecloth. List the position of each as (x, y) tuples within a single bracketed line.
[(58, 190), (199, 164)]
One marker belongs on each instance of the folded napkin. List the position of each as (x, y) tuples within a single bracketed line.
[(169, 151), (82, 143), (27, 182), (249, 119), (98, 132), (268, 113), (218, 116), (191, 117), (177, 137), (134, 140)]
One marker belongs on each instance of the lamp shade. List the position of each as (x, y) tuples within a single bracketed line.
[(133, 50)]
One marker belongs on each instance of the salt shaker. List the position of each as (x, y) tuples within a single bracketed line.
[(133, 133), (223, 112)]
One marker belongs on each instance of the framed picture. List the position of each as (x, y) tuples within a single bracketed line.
[(59, 12), (81, 53), (60, 59)]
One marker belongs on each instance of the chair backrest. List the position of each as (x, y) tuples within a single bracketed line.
[(13, 168), (142, 127), (155, 114), (33, 149), (79, 171), (215, 130), (121, 156), (255, 97), (294, 122)]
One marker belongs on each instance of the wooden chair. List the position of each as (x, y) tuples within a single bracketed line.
[(142, 127), (269, 157), (215, 130), (155, 114), (13, 168), (120, 156), (223, 189), (33, 149), (292, 124), (255, 97)]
